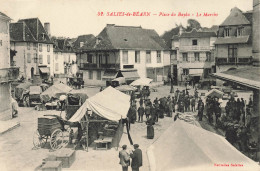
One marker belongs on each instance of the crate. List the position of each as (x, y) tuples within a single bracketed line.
[(52, 166), (66, 156)]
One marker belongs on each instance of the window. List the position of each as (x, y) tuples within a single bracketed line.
[(40, 59), (240, 31), (57, 67), (28, 45), (194, 42), (29, 58), (137, 57), (107, 58), (197, 56), (184, 56), (34, 46), (90, 75), (40, 47), (48, 48), (48, 59), (104, 59), (227, 32), (125, 57), (98, 75), (89, 58), (148, 57), (35, 57), (81, 44), (56, 57), (185, 71), (159, 59), (208, 56), (232, 51)]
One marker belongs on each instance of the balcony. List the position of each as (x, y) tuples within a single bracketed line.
[(234, 61), (9, 74), (85, 66), (195, 48)]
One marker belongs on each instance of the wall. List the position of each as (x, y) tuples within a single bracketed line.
[(5, 101), (243, 50), (59, 60), (44, 54), (94, 81), (5, 47), (256, 33), (20, 58), (5, 88)]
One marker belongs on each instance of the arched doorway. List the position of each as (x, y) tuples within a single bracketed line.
[(32, 73)]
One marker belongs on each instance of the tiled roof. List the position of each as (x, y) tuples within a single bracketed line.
[(236, 17), (197, 34), (63, 45), (214, 28), (248, 76), (29, 30), (83, 38), (20, 32), (232, 40), (126, 37), (4, 16)]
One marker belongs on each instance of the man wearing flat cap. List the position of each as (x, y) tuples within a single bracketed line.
[(137, 160), (124, 158)]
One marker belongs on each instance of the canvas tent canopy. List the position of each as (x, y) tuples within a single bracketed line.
[(110, 104), (124, 88), (55, 91), (19, 90), (184, 146), (214, 93), (142, 82)]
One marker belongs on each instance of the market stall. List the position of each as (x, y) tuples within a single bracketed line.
[(105, 112), (184, 146)]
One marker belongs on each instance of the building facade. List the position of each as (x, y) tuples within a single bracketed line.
[(195, 56), (131, 52), (7, 73), (64, 60), (234, 42), (34, 49)]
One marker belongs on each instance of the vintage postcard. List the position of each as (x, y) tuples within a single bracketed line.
[(151, 85)]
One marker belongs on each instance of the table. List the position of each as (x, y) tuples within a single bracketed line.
[(104, 140)]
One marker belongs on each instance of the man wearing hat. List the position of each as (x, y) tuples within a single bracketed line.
[(124, 158), (137, 160)]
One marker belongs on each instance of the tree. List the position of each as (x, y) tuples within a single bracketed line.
[(193, 24)]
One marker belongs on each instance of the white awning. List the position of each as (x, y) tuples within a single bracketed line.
[(45, 70), (196, 72)]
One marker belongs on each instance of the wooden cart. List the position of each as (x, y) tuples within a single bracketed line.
[(51, 127)]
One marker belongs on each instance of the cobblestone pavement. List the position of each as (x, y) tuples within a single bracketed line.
[(17, 151)]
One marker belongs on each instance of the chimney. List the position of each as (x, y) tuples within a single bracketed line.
[(256, 34), (47, 28)]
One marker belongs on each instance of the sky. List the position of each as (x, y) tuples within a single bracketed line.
[(71, 18)]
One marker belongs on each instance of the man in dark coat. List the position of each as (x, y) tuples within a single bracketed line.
[(140, 113), (200, 110), (137, 159)]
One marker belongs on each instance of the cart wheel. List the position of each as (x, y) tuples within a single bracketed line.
[(66, 136), (56, 139), (39, 140)]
